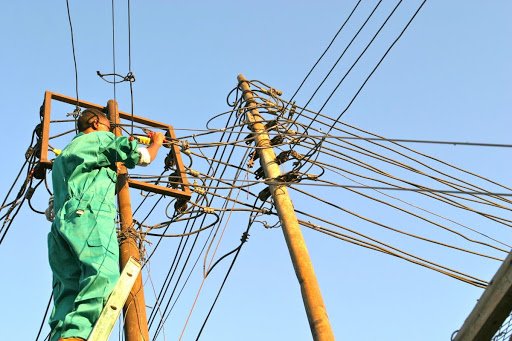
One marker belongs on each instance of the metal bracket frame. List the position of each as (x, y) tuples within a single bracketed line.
[(182, 192)]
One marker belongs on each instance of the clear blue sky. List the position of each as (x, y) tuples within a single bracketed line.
[(448, 78)]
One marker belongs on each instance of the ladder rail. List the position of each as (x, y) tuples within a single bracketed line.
[(115, 302)]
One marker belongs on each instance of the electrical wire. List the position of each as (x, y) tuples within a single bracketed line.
[(73, 50), (374, 69), (132, 78), (326, 49), (47, 310), (114, 47)]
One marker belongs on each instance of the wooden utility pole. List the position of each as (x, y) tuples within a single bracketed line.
[(136, 324), (492, 308), (313, 301)]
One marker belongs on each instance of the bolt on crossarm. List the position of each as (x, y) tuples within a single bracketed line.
[(136, 325), (311, 295)]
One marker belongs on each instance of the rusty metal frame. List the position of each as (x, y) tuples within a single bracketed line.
[(183, 193)]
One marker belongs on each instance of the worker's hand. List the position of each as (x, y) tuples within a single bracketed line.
[(157, 138)]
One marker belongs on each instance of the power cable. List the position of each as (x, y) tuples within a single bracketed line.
[(237, 250), (76, 112), (326, 49), (44, 317), (206, 242), (132, 78), (372, 72), (166, 314), (454, 143), (114, 46), (345, 50)]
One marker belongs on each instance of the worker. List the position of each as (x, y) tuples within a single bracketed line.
[(83, 249)]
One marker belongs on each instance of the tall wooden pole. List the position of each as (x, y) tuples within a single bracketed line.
[(493, 307), (313, 301), (136, 325)]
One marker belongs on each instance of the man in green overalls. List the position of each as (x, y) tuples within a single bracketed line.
[(82, 245)]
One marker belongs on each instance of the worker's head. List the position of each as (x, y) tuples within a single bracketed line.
[(92, 120)]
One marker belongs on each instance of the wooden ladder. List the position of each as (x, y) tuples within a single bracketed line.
[(115, 303)]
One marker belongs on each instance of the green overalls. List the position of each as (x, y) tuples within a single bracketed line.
[(82, 245)]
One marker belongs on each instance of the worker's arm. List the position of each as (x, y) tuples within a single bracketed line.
[(149, 153), (157, 139), (122, 149)]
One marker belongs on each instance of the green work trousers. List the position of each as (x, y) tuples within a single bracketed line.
[(84, 257)]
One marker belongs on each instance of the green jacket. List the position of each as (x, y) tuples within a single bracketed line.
[(86, 171)]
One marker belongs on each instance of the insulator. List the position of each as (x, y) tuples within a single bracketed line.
[(276, 140), (249, 139), (169, 161), (174, 180), (29, 193), (30, 151), (264, 194), (259, 173), (283, 157), (39, 130), (39, 171), (292, 176), (180, 205), (245, 237), (271, 125)]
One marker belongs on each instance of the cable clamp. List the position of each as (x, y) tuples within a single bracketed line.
[(194, 173), (30, 151), (75, 113), (312, 176), (208, 210), (198, 189), (29, 193), (272, 92), (50, 212), (130, 77), (185, 147), (296, 155), (245, 237), (292, 110)]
